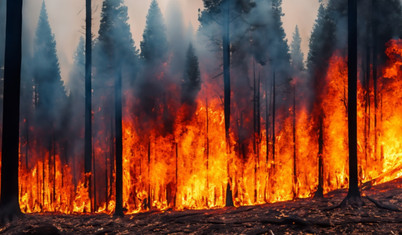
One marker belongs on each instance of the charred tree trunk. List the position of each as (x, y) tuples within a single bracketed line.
[(367, 99), (119, 145), (273, 119), (267, 108), (255, 139), (353, 197), (88, 97), (149, 204), (320, 189), (226, 81), (111, 159), (375, 75), (207, 148), (176, 175), (93, 182), (27, 143), (9, 204), (294, 145)]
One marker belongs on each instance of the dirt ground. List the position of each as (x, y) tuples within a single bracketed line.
[(303, 216)]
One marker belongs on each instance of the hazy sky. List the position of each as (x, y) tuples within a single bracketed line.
[(67, 20)]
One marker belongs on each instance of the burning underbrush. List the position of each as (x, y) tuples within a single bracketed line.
[(190, 164)]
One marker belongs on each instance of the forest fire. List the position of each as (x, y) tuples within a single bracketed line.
[(188, 168)]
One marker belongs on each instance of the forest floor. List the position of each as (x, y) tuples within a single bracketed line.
[(302, 216)]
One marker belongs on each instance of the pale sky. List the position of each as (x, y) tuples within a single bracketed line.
[(67, 18)]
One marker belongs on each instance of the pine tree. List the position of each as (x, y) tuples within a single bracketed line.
[(176, 37), (222, 12), (321, 44), (353, 196), (297, 55), (50, 95), (154, 46), (77, 76), (88, 97), (9, 202), (191, 83), (116, 56), (277, 40)]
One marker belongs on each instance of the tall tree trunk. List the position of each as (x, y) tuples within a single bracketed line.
[(111, 159), (119, 145), (320, 189), (9, 204), (226, 81), (149, 203), (353, 196), (207, 148), (267, 137), (375, 54), (294, 145), (255, 131), (273, 119), (367, 98), (88, 97)]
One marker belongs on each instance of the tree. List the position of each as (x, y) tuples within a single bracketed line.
[(297, 55), (154, 45), (9, 201), (50, 95), (88, 95), (2, 44), (2, 34), (223, 13), (321, 45), (191, 82), (116, 55), (353, 198), (176, 36)]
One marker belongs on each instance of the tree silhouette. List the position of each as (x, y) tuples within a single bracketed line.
[(9, 201), (116, 55), (154, 46), (353, 198), (88, 97)]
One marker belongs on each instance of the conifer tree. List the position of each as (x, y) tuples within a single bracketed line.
[(176, 37), (297, 55), (88, 97), (50, 95), (77, 76), (222, 13), (278, 46), (154, 46), (191, 83), (116, 57), (320, 44)]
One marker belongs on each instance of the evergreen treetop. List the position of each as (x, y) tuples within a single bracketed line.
[(191, 82), (297, 55), (50, 88), (115, 37), (154, 46)]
